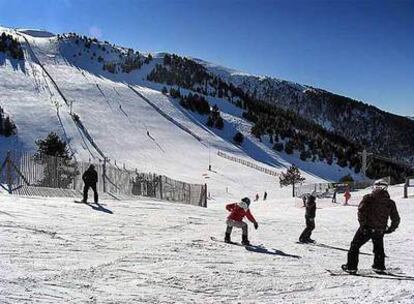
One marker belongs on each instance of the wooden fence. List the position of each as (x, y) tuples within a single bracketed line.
[(247, 163), (22, 169)]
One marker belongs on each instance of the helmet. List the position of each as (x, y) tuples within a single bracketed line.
[(92, 166), (245, 203), (381, 184)]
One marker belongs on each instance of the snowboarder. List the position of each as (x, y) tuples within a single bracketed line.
[(310, 219), (347, 195), (373, 213), (235, 219), (265, 196), (90, 178), (334, 197)]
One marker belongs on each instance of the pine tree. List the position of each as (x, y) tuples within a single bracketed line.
[(291, 177), (58, 168), (9, 127), (238, 138)]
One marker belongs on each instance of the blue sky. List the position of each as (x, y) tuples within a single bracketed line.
[(361, 49)]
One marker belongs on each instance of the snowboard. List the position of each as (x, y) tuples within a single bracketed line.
[(393, 274), (88, 203), (231, 243)]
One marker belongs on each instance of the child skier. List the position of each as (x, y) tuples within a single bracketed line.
[(310, 220), (237, 212)]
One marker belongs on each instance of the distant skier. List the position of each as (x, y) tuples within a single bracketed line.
[(373, 213), (334, 197), (347, 195), (256, 197), (265, 196), (237, 212), (90, 178), (310, 214)]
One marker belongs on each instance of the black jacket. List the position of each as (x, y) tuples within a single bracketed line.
[(310, 207), (375, 209), (90, 176)]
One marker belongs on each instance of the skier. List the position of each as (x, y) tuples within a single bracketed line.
[(310, 219), (235, 219), (347, 195), (265, 196), (90, 178), (334, 196), (373, 213), (257, 197)]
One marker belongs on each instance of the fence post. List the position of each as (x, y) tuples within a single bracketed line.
[(104, 174), (9, 177), (205, 196), (160, 183)]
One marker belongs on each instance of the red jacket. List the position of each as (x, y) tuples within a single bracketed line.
[(238, 213)]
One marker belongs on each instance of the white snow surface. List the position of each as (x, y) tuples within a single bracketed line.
[(56, 251)]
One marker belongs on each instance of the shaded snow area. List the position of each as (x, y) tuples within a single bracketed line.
[(58, 251)]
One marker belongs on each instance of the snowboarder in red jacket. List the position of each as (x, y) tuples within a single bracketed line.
[(237, 212)]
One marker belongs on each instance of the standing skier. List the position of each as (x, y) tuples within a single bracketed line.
[(310, 219), (373, 213), (347, 195), (237, 212), (90, 178), (265, 196)]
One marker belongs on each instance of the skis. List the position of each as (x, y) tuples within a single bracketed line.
[(390, 274)]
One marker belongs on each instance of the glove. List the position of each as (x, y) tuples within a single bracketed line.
[(388, 230), (256, 225)]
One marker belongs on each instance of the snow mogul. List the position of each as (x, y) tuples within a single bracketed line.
[(310, 213), (237, 212), (373, 213)]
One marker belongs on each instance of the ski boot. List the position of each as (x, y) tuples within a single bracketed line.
[(346, 269), (379, 270), (245, 241), (227, 238), (310, 241)]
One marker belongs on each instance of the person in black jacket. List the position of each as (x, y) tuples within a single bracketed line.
[(310, 220), (373, 213), (90, 178)]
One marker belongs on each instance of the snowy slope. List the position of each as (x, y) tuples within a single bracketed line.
[(130, 121), (154, 252)]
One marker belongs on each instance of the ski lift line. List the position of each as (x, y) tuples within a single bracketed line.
[(79, 124), (37, 85), (165, 115)]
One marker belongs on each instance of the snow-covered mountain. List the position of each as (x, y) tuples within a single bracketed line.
[(98, 98)]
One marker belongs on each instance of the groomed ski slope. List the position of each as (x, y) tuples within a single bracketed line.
[(56, 251), (151, 134)]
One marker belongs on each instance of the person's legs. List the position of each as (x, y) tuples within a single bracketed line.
[(353, 254), (310, 225), (238, 224), (95, 193), (379, 255), (85, 192)]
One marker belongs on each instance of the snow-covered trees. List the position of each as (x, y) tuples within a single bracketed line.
[(291, 177)]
